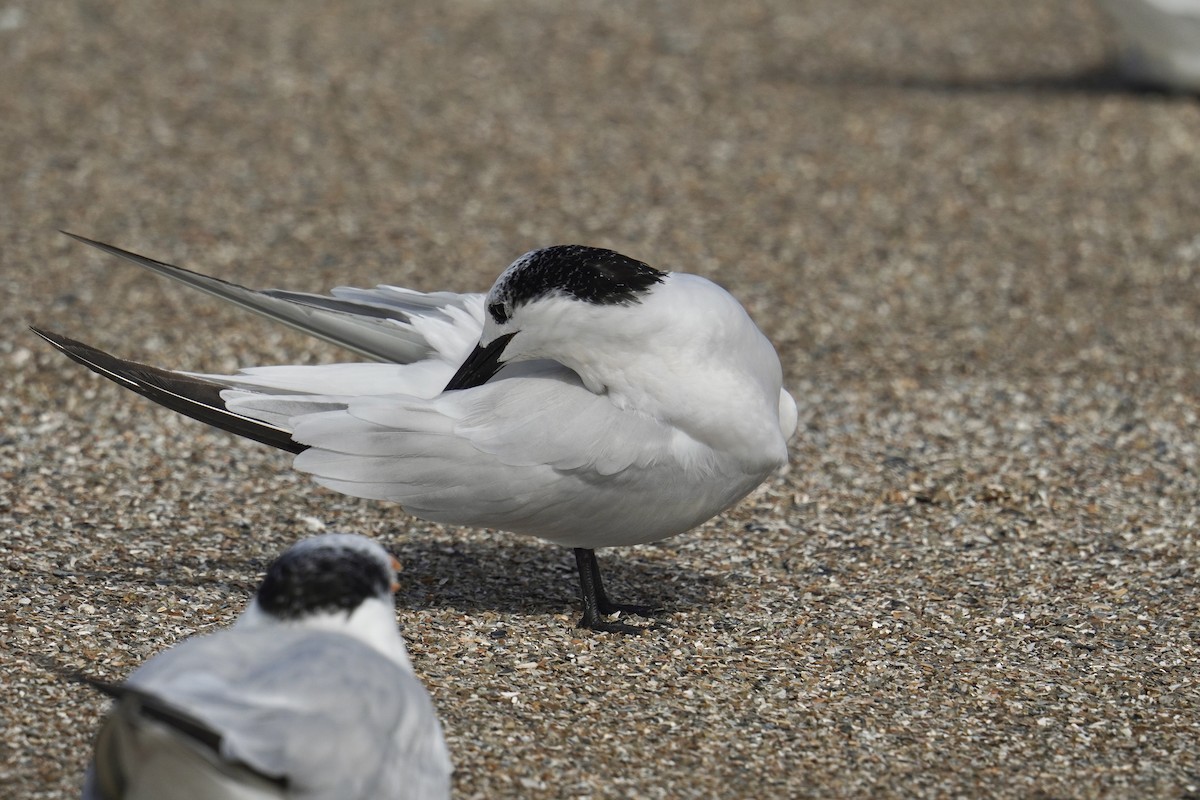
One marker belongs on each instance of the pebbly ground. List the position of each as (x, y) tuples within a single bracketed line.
[(977, 252)]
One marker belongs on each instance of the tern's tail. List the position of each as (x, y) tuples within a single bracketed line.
[(194, 397)]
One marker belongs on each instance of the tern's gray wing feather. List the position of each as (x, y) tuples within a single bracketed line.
[(327, 714), (146, 741), (383, 324), (531, 453)]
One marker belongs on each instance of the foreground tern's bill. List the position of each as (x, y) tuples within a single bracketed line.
[(310, 694), (587, 399)]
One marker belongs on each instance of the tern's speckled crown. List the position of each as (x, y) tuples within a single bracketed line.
[(330, 573)]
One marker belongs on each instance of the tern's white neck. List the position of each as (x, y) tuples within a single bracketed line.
[(373, 623), (686, 353)]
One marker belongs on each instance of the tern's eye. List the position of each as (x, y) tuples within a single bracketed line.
[(498, 312)]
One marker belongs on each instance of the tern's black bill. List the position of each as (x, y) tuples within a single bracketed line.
[(481, 365)]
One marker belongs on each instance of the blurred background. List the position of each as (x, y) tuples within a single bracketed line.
[(973, 237)]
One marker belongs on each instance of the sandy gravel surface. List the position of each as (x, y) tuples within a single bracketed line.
[(978, 255)]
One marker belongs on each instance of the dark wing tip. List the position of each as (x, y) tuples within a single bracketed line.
[(113, 690), (191, 396), (84, 354), (57, 339)]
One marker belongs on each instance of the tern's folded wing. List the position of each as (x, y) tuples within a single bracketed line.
[(501, 455)]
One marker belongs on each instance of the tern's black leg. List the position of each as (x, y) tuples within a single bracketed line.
[(596, 604)]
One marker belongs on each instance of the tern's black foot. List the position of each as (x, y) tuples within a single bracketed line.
[(597, 606), (603, 625), (608, 607)]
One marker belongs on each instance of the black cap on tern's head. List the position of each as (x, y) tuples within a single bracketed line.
[(328, 573), (578, 272), (591, 274)]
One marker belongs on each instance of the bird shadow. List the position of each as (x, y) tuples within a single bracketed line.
[(526, 577), (503, 574), (1103, 79)]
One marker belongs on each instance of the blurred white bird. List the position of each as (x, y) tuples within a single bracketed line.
[(1160, 41), (309, 695), (587, 399)]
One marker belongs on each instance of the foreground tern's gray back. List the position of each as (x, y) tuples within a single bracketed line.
[(309, 695)]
